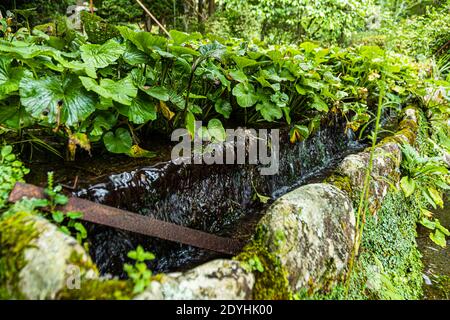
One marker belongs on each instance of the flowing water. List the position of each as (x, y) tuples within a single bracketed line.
[(218, 199)]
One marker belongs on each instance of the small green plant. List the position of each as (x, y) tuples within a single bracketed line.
[(254, 264), (139, 273), (11, 171), (440, 232), (424, 176), (67, 222)]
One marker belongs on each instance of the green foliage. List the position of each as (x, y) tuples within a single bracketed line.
[(50, 208), (329, 21), (424, 175), (139, 273), (389, 265), (440, 232), (92, 92), (11, 171), (420, 35)]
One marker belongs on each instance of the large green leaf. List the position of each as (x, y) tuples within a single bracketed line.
[(269, 110), (319, 104), (144, 41), (54, 95), (223, 107), (159, 93), (122, 91), (408, 185), (100, 56), (439, 238), (133, 55), (9, 77), (212, 50), (216, 130), (245, 94), (142, 110), (118, 142), (179, 37), (243, 62), (102, 122)]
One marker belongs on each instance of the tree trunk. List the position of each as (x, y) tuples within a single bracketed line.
[(211, 7), (200, 16), (200, 11)]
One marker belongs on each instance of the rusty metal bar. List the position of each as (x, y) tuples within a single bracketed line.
[(125, 220)]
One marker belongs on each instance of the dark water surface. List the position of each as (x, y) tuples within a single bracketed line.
[(218, 199)]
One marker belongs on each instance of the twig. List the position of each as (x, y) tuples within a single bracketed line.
[(153, 17)]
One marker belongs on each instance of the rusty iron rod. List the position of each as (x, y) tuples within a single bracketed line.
[(125, 220)]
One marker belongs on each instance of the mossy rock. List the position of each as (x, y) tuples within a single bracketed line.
[(98, 30), (35, 258), (304, 241)]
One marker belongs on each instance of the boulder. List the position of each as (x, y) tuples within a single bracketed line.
[(215, 280), (310, 231), (41, 261)]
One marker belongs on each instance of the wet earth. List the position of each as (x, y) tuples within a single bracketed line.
[(436, 259)]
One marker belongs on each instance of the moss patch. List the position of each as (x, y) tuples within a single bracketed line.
[(17, 233), (272, 283), (341, 182), (389, 265), (95, 289), (98, 30)]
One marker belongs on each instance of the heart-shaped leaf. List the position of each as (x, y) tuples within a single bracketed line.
[(269, 110), (100, 56), (118, 142), (122, 91), (142, 110), (159, 93), (245, 94), (62, 99)]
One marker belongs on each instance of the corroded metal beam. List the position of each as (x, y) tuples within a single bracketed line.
[(125, 220)]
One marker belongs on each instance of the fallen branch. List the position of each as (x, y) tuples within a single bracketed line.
[(153, 17)]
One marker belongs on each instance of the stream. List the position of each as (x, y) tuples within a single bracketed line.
[(218, 199)]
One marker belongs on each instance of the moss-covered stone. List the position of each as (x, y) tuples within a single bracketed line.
[(272, 282), (36, 258), (16, 235), (98, 289), (389, 265), (341, 182), (304, 240), (97, 30)]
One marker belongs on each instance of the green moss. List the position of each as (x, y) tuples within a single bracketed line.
[(98, 30), (96, 289), (389, 264), (422, 143), (341, 182), (17, 233), (272, 283)]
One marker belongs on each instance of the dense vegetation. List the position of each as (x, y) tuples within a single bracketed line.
[(271, 63)]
